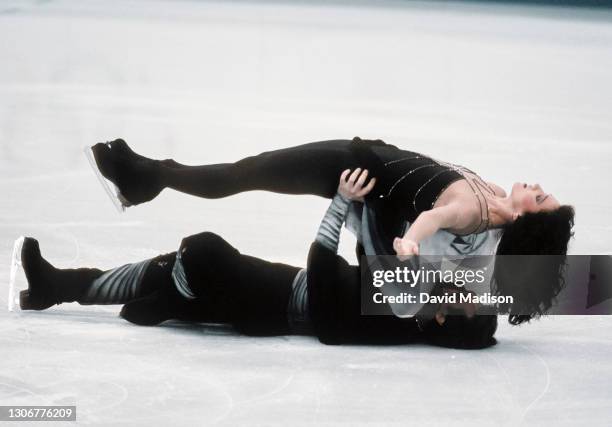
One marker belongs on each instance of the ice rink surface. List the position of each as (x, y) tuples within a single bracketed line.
[(518, 94)]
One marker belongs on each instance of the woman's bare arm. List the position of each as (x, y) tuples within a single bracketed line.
[(453, 216)]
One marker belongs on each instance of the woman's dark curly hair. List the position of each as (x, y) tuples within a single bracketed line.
[(541, 233)]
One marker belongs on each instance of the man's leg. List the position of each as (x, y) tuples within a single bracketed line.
[(48, 285), (228, 286)]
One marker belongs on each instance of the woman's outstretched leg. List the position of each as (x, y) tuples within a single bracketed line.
[(311, 168)]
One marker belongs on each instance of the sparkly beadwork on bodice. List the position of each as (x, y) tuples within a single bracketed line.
[(479, 188), (437, 168), (409, 183)]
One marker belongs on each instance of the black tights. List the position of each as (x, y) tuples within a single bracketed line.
[(312, 168)]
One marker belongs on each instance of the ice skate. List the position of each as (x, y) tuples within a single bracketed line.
[(165, 304), (17, 279), (47, 285), (147, 311), (128, 178), (39, 295)]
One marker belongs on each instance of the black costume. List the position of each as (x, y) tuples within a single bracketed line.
[(208, 280), (407, 184), (404, 178)]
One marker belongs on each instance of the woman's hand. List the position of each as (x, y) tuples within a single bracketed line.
[(351, 184), (405, 248)]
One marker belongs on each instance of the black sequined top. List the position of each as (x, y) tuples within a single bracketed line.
[(408, 183)]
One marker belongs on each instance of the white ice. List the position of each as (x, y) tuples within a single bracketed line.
[(518, 94)]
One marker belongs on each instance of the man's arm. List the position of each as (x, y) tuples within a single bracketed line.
[(326, 271), (331, 224), (350, 189)]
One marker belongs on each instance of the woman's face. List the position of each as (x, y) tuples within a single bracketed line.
[(531, 198)]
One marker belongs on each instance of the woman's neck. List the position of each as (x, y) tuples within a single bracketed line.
[(502, 213)]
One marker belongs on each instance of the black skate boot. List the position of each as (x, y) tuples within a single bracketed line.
[(162, 305), (128, 178), (165, 302), (48, 285)]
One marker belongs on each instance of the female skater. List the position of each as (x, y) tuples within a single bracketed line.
[(415, 196), (210, 281)]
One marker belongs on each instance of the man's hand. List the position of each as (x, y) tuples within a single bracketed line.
[(405, 248), (351, 184)]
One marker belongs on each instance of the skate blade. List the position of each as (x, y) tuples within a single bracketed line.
[(109, 188), (17, 280)]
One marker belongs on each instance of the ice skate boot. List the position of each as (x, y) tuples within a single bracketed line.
[(48, 285), (165, 302), (128, 178), (158, 307)]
